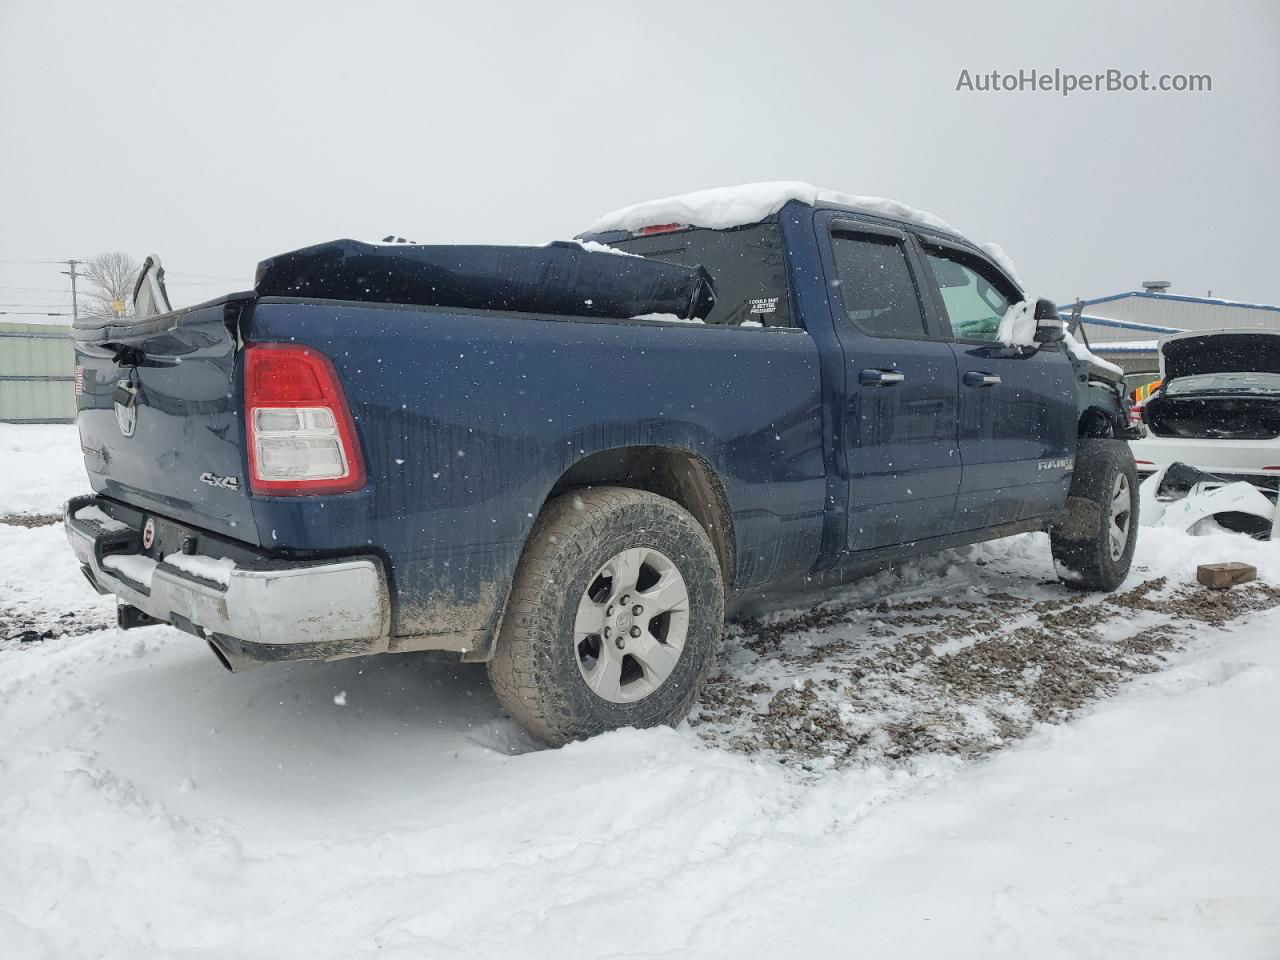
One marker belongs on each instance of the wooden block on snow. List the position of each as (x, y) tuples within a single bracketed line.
[(1221, 576)]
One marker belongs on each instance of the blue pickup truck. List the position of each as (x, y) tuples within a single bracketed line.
[(572, 462)]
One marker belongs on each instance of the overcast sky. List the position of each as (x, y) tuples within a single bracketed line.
[(216, 134)]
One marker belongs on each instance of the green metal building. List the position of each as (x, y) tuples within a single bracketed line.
[(37, 373)]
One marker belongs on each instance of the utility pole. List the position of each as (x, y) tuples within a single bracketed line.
[(75, 306)]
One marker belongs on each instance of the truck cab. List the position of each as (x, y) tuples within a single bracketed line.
[(936, 428)]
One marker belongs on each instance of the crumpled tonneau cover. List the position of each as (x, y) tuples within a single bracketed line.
[(559, 278)]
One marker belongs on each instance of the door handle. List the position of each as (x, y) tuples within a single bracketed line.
[(881, 378), (976, 378)]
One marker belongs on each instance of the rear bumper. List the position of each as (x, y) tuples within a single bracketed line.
[(248, 605), (1242, 458)]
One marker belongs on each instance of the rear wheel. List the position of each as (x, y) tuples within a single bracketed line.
[(613, 618), (1093, 547)]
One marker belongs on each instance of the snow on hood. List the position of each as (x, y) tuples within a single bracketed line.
[(1221, 351)]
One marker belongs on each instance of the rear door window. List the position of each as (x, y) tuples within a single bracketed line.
[(876, 287)]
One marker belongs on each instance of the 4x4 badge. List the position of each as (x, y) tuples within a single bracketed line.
[(213, 480)]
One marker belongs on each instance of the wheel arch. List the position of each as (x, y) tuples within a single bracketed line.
[(1096, 422), (672, 472)]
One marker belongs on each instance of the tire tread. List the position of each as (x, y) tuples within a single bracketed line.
[(521, 670)]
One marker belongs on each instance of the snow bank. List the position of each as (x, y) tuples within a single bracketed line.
[(43, 467), (155, 805), (724, 207), (1141, 831), (35, 580)]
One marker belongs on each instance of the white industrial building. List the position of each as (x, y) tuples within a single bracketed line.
[(1126, 327), (37, 371)]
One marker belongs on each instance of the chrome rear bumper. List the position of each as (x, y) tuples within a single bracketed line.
[(304, 609)]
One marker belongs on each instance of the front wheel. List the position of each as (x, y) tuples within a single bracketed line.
[(613, 617), (1093, 547)]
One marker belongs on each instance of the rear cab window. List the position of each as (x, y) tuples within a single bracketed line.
[(875, 284), (746, 263)]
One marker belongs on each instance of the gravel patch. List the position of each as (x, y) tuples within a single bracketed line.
[(876, 683), (31, 519)]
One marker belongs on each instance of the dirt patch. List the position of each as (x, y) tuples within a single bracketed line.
[(22, 627), (1194, 602), (31, 519), (873, 683)]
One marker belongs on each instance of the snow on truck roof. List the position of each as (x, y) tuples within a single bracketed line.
[(724, 207)]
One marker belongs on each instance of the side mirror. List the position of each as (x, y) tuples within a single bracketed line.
[(1049, 326)]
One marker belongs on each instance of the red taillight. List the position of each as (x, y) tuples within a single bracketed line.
[(300, 432), (660, 228)]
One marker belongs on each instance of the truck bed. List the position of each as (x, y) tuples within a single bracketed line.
[(467, 420)]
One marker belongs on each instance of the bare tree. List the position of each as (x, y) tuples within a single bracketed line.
[(109, 281)]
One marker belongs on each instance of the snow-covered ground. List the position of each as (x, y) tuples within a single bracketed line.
[(869, 777), (41, 468)]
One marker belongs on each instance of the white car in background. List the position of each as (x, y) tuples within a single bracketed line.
[(1217, 411), (1218, 407)]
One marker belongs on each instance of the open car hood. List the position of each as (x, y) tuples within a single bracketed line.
[(1222, 351)]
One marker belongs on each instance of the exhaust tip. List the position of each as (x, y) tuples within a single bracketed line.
[(222, 657), (229, 654)]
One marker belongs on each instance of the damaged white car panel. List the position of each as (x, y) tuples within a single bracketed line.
[(1218, 408), (1188, 499)]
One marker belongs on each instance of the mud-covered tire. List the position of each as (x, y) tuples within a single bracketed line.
[(1088, 548), (536, 670)]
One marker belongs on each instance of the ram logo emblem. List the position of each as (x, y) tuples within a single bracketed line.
[(126, 404), (1057, 463)]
